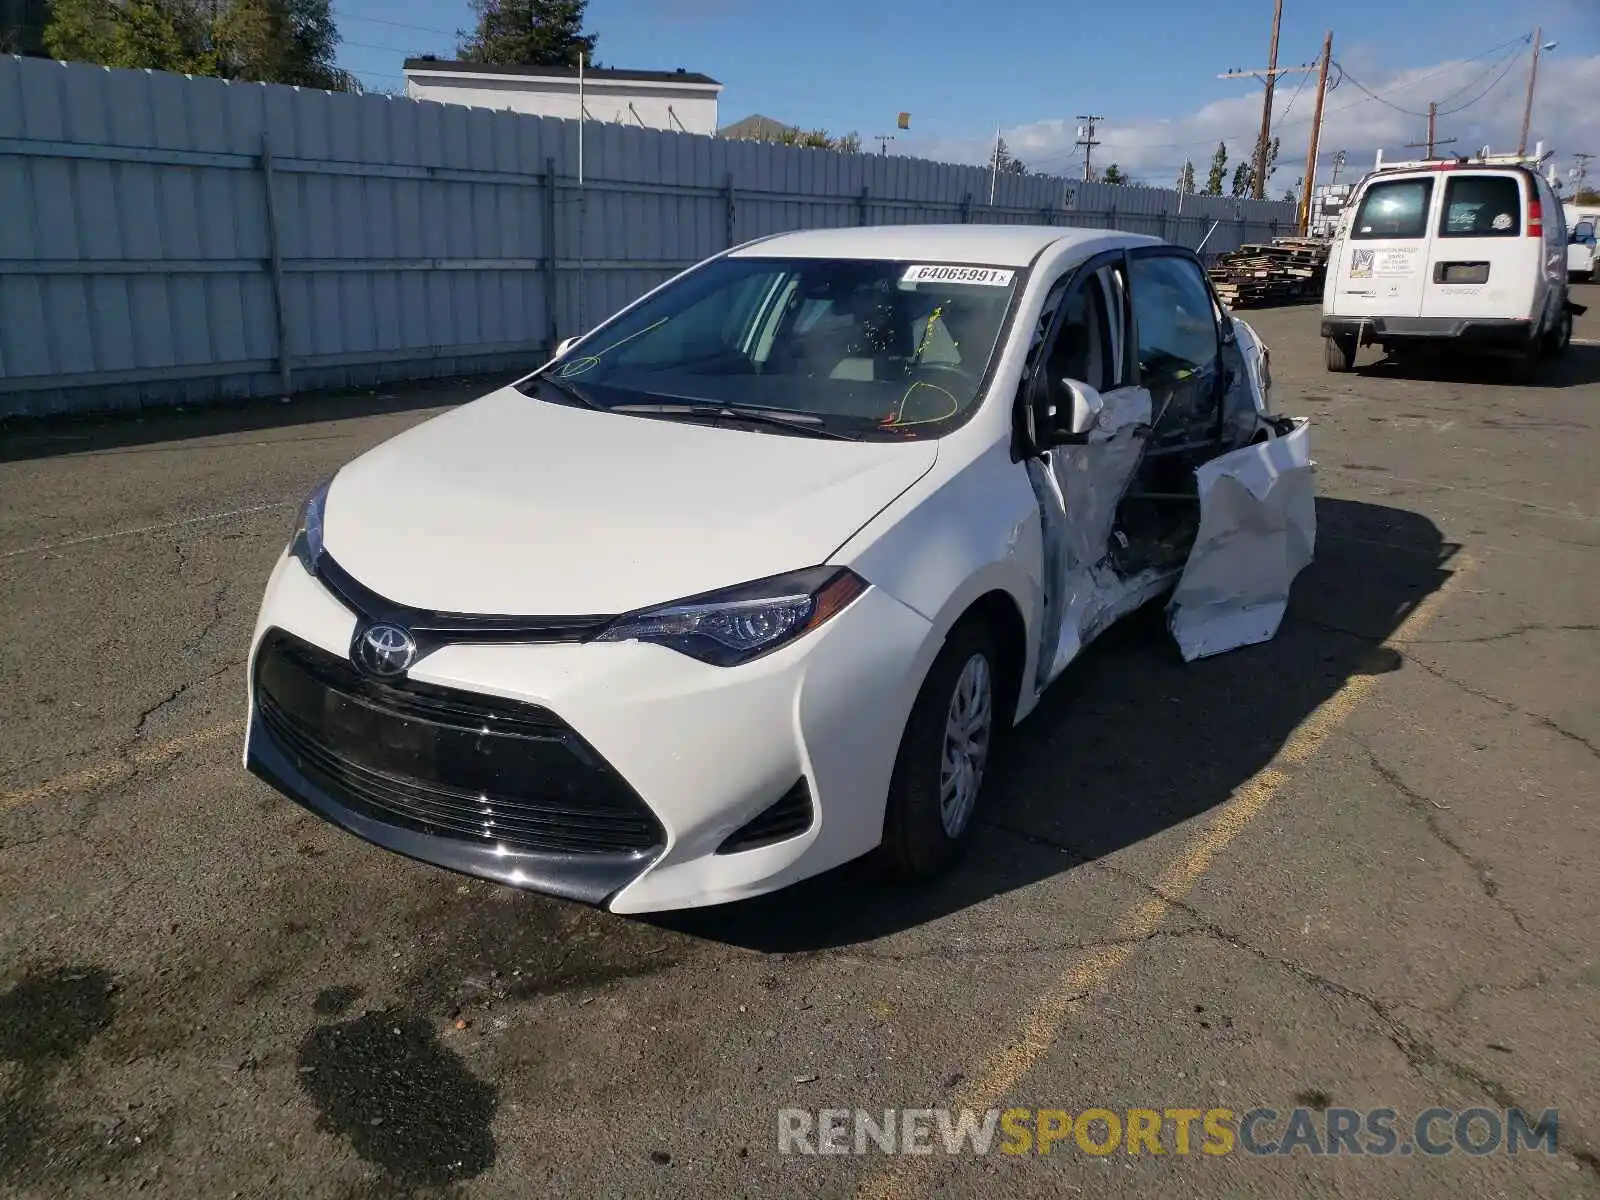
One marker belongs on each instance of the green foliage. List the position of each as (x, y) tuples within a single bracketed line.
[(1186, 178), (1586, 195), (1115, 174), (1006, 162), (281, 41), (159, 34), (269, 41), (818, 139), (1242, 175), (531, 33), (1219, 170)]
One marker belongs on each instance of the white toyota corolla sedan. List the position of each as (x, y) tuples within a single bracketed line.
[(748, 580)]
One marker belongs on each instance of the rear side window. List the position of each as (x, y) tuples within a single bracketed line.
[(1396, 208), (1482, 206)]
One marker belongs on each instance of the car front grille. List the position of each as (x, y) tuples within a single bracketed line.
[(445, 762)]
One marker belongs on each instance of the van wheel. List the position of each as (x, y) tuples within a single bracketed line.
[(1340, 353), (1555, 342), (944, 756)]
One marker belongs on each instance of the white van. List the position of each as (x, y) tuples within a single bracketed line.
[(1466, 255), (1582, 220)]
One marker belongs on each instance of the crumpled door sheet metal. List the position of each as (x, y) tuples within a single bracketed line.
[(1078, 494), (1258, 530)]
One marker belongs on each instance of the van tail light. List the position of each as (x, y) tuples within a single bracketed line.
[(1535, 218)]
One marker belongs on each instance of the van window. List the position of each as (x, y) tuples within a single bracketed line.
[(1482, 206), (1395, 208)]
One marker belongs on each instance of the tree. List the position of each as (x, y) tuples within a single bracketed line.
[(1006, 162), (1186, 178), (1290, 196), (818, 139), (530, 33), (268, 41), (1219, 170), (157, 34), (1242, 175), (280, 41), (1586, 195), (1115, 174)]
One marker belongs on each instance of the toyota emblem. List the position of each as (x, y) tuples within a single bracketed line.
[(385, 650)]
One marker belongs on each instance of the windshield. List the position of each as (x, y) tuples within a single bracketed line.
[(863, 348)]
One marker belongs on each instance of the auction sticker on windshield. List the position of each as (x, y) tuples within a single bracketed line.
[(937, 273)]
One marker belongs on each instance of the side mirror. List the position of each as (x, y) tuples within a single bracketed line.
[(1076, 412), (564, 345)]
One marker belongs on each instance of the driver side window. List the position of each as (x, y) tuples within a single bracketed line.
[(1087, 345)]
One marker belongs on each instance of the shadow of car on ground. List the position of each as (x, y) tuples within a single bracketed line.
[(1131, 741), (1579, 366)]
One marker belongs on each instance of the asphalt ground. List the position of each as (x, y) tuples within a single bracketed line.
[(1352, 868)]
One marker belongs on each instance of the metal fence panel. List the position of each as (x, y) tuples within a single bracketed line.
[(153, 227)]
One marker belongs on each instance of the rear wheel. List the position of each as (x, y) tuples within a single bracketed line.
[(1559, 337), (944, 756), (1340, 353)]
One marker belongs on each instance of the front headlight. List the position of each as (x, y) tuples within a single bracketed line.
[(306, 543), (738, 624)]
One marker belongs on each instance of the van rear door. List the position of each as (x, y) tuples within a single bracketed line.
[(1484, 258), (1383, 258)]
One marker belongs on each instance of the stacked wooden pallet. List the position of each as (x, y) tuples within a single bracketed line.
[(1282, 272)]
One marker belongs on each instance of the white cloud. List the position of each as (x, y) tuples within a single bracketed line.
[(1480, 103)]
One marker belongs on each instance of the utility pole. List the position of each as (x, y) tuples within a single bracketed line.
[(1316, 136), (1260, 189), (1527, 105), (1582, 173), (1086, 140), (994, 168), (1270, 77), (1339, 160), (883, 140), (1433, 138)]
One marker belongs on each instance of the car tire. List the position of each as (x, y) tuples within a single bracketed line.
[(1555, 342), (1339, 353), (928, 822)]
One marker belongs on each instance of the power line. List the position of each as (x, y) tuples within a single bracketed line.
[(350, 16), (1206, 141), (1498, 79)]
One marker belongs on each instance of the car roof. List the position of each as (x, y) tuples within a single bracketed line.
[(990, 245)]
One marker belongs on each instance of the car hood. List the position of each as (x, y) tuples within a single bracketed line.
[(514, 505)]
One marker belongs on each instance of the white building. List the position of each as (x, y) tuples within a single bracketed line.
[(679, 100)]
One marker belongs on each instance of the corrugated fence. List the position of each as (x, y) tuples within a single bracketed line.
[(165, 238)]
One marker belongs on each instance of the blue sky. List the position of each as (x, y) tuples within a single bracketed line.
[(963, 66)]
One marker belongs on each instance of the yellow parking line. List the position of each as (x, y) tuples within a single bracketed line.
[(105, 774), (1043, 1023)]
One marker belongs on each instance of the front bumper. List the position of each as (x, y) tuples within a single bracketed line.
[(704, 750), (1502, 333)]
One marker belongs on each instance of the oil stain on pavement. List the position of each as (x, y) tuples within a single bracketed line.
[(405, 1103), (46, 1019)]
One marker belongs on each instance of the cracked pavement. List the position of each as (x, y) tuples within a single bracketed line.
[(204, 990)]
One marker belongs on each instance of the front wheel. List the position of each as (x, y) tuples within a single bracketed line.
[(1339, 353), (944, 757)]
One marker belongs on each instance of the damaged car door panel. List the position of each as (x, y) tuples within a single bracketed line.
[(1138, 400)]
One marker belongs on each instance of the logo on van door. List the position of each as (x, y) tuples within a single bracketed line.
[(1361, 264)]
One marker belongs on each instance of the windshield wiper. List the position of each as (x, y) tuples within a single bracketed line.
[(566, 389), (803, 423)]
